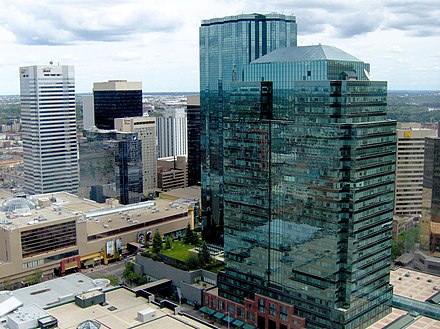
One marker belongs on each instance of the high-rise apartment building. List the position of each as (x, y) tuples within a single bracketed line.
[(50, 148), (226, 46), (172, 133), (145, 128), (309, 161), (409, 167), (116, 99), (193, 125)]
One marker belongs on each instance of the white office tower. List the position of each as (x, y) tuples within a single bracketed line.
[(88, 112), (172, 133), (145, 128), (49, 128), (409, 167)]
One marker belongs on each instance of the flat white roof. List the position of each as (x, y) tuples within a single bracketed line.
[(56, 291)]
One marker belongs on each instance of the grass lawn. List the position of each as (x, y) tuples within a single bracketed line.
[(178, 251)]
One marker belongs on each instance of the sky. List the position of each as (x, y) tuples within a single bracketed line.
[(156, 42)]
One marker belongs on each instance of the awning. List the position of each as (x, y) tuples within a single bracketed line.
[(219, 315), (94, 256), (238, 323), (71, 265), (248, 326), (207, 310), (228, 319)]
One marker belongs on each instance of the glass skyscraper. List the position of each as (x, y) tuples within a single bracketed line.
[(111, 166), (309, 168), (116, 99), (226, 46), (193, 126), (427, 259)]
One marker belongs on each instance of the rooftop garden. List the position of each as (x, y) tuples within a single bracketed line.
[(189, 253)]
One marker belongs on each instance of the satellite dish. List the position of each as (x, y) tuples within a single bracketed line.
[(51, 62)]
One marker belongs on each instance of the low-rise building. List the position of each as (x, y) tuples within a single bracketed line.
[(76, 301), (55, 234), (172, 173)]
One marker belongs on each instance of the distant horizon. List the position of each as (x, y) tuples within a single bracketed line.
[(176, 93)]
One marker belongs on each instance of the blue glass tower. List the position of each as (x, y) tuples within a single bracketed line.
[(226, 46), (309, 161), (111, 166)]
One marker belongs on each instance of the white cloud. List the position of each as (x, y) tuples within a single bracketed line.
[(56, 23), (127, 55), (396, 49), (157, 42)]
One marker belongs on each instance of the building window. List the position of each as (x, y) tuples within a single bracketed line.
[(272, 309), (231, 309), (261, 305), (239, 312), (206, 300), (214, 303), (221, 305), (49, 238), (283, 313)]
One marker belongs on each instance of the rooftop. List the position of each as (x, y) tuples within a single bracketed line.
[(99, 217), (413, 284), (56, 291), (118, 217), (243, 17), (190, 193), (56, 297), (306, 53), (421, 322), (120, 313)]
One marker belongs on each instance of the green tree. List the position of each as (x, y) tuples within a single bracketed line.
[(405, 242), (188, 235), (168, 243), (157, 242), (192, 261), (128, 273), (398, 247), (133, 277), (204, 254), (195, 239), (34, 278)]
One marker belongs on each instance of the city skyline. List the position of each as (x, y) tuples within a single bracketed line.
[(139, 42)]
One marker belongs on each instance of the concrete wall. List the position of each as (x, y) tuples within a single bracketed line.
[(426, 263), (180, 278)]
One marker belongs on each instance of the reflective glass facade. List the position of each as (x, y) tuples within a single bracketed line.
[(111, 166), (226, 46), (430, 220), (309, 169), (193, 125), (111, 104)]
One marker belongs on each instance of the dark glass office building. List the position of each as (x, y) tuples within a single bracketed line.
[(428, 258), (111, 166), (193, 128), (309, 162), (226, 46), (116, 99)]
